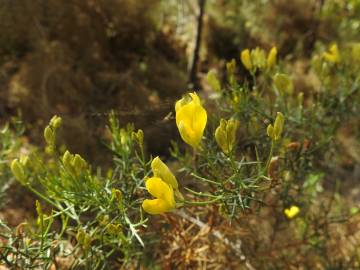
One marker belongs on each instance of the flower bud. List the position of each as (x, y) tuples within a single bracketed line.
[(124, 138), (283, 83), (18, 171), (67, 160), (38, 208), (24, 160), (213, 81), (139, 137), (230, 70), (55, 121), (246, 59), (270, 131), (79, 164), (258, 58), (49, 135), (117, 194), (278, 125), (271, 59), (225, 134), (114, 229)]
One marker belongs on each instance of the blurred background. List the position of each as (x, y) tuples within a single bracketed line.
[(81, 58)]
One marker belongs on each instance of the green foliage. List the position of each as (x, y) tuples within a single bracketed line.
[(270, 171)]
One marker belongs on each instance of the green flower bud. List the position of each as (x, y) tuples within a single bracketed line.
[(79, 164), (24, 160), (18, 171), (230, 69), (220, 135), (114, 229), (55, 121), (49, 135), (139, 137), (38, 208), (283, 83), (231, 128), (123, 137), (213, 81), (67, 160), (278, 125), (225, 134), (258, 58), (270, 131)]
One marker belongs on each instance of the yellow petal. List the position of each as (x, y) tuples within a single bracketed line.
[(246, 59), (156, 206), (333, 55), (162, 171), (292, 211), (271, 59), (195, 98), (161, 190), (187, 134), (199, 121), (180, 103)]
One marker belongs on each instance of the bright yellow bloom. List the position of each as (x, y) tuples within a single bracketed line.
[(333, 55), (191, 119), (164, 195), (292, 211), (271, 59), (246, 59), (162, 171), (225, 134)]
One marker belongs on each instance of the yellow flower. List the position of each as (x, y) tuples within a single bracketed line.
[(191, 119), (225, 134), (164, 195), (333, 54), (271, 59), (246, 59), (162, 171), (292, 211)]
